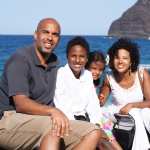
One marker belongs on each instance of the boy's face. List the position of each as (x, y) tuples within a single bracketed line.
[(96, 69), (77, 58)]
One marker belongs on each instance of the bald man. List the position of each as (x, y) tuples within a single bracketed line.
[(28, 115)]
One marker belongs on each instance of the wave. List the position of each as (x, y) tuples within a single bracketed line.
[(147, 66)]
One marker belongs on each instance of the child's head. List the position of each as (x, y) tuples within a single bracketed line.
[(77, 54), (96, 64)]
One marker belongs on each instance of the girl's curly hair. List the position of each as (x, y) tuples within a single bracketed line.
[(131, 47)]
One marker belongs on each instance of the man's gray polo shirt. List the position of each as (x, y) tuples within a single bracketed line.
[(23, 74)]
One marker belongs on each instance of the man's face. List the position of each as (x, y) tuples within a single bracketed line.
[(47, 36)]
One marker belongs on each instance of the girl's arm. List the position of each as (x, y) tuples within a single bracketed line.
[(145, 85), (104, 92)]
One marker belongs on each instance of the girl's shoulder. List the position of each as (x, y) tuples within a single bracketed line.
[(141, 71), (144, 74)]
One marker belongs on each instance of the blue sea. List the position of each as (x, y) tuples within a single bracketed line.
[(9, 44)]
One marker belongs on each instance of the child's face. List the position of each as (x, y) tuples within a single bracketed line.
[(77, 58), (96, 69)]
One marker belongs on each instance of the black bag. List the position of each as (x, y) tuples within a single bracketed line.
[(83, 118), (123, 130)]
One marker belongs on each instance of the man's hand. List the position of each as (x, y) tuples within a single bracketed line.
[(60, 123)]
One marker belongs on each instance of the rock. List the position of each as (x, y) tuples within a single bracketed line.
[(134, 23)]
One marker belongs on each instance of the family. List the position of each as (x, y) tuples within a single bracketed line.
[(49, 108)]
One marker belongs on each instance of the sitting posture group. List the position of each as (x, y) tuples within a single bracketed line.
[(46, 107)]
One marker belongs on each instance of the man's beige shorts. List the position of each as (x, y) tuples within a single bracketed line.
[(23, 132)]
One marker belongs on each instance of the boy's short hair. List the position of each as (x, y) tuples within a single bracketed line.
[(78, 40)]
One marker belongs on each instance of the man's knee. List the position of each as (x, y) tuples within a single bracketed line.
[(95, 134), (41, 126)]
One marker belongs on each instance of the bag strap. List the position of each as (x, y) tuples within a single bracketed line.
[(121, 118)]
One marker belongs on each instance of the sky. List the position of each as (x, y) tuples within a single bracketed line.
[(76, 17)]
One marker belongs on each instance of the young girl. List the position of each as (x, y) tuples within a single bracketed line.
[(96, 64)]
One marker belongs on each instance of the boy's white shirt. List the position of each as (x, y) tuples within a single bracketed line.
[(77, 96)]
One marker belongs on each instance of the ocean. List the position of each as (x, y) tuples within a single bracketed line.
[(9, 44)]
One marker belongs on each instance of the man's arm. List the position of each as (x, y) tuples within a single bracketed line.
[(26, 105)]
